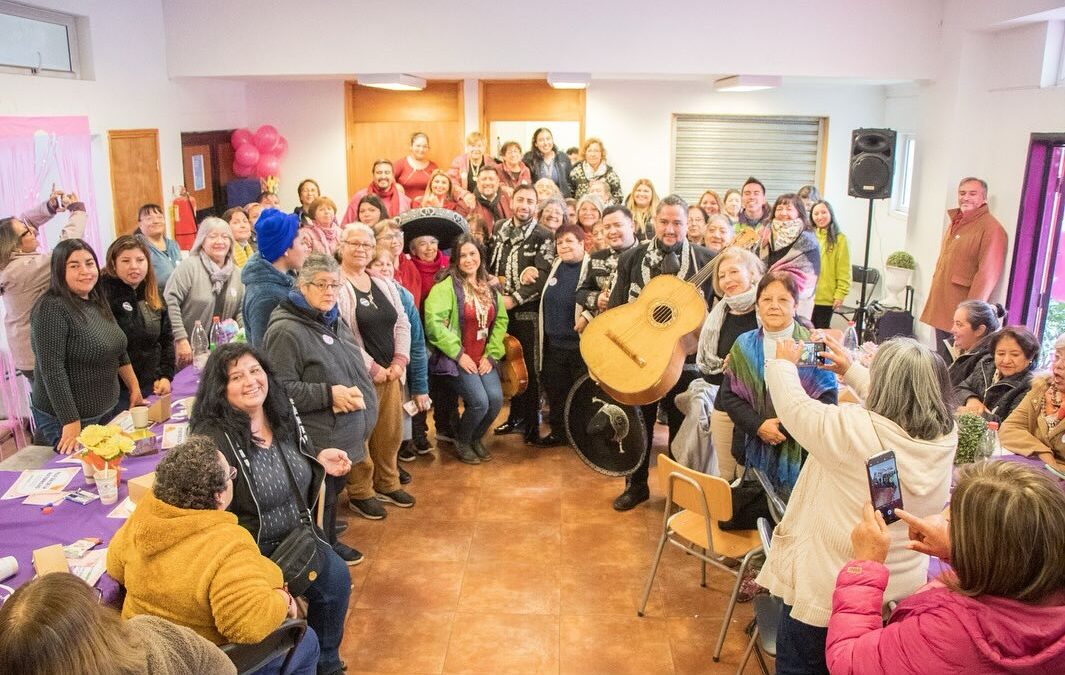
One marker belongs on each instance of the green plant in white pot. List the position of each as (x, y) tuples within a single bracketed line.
[(898, 274)]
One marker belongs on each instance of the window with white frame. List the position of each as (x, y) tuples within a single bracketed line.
[(38, 41), (906, 147)]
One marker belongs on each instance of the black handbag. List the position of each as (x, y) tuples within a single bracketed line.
[(297, 554), (748, 505)]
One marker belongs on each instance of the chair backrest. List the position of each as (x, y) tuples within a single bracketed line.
[(765, 533), (718, 493), (776, 504), (865, 275), (281, 642)]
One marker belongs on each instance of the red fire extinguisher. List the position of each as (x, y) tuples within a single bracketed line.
[(183, 215)]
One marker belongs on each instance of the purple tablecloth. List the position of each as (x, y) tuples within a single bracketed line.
[(25, 528)]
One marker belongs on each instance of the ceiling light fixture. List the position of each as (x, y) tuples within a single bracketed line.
[(569, 80), (392, 81), (738, 83)]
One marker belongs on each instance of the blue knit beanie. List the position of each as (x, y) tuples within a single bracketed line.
[(274, 232)]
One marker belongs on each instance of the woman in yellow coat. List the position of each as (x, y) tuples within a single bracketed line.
[(183, 557), (835, 280)]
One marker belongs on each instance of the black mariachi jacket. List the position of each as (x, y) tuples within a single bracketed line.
[(508, 257), (149, 338), (597, 275)]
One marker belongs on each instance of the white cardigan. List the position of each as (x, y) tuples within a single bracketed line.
[(812, 542)]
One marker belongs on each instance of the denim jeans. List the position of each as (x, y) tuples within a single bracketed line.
[(800, 646), (327, 604), (483, 397), (50, 429), (304, 660)]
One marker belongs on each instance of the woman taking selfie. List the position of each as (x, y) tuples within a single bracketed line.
[(245, 410), (907, 409), (1001, 609), (128, 283), (465, 320), (24, 270), (77, 385)]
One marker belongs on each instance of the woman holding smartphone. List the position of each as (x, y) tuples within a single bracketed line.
[(908, 410)]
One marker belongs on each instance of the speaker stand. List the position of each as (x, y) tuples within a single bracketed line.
[(859, 313)]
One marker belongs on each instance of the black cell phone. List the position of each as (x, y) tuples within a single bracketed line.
[(884, 489), (811, 354)]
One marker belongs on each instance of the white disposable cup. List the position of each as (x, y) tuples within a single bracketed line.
[(140, 416), (107, 485), (8, 567), (90, 472)]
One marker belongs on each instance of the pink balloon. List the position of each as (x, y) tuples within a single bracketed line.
[(243, 170), (266, 138), (268, 165), (281, 148), (247, 154), (240, 137)]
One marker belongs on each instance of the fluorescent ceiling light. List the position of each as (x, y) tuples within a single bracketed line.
[(747, 82), (569, 80), (392, 81)]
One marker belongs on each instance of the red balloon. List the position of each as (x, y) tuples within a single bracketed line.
[(266, 138), (243, 170), (240, 137), (268, 165), (247, 155), (281, 148)]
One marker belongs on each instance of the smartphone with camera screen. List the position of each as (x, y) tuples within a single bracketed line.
[(810, 354), (884, 488)]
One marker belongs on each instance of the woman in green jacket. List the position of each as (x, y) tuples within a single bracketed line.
[(835, 280), (465, 321)]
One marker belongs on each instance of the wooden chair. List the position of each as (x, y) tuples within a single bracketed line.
[(703, 500), (281, 642), (767, 609)]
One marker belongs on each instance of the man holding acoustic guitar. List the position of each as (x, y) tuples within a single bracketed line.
[(517, 244), (668, 253), (600, 268)]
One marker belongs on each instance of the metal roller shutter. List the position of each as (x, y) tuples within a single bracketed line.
[(720, 151)]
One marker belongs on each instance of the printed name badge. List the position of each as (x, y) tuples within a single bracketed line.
[(364, 302), (482, 333), (553, 281), (232, 292), (327, 339), (126, 306)]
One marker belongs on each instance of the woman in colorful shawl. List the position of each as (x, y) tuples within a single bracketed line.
[(759, 440), (789, 245)]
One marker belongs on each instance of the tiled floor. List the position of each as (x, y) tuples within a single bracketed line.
[(520, 565)]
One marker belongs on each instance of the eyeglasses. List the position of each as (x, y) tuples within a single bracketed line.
[(232, 473), (325, 285), (360, 244)]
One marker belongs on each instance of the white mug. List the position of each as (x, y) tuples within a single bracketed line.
[(8, 567), (140, 416)]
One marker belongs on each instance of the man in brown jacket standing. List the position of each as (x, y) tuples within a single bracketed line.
[(970, 260)]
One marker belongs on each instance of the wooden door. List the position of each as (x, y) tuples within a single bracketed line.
[(379, 124), (135, 175), (207, 159), (534, 103)]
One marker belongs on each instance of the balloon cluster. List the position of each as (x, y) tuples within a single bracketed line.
[(258, 154)]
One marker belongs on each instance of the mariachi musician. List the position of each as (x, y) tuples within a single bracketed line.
[(517, 244), (669, 252), (600, 268)]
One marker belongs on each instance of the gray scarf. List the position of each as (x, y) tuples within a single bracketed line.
[(219, 275), (706, 358)]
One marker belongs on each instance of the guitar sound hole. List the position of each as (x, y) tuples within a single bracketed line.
[(662, 314)]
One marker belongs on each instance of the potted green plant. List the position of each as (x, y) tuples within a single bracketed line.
[(971, 430), (898, 274)]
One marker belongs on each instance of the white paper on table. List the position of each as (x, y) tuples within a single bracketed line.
[(124, 419), (70, 459), (174, 434), (123, 510), (33, 481), (90, 567), (45, 498)]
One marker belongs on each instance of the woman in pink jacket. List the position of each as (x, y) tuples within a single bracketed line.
[(1001, 610)]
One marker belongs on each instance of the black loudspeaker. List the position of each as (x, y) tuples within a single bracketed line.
[(872, 163)]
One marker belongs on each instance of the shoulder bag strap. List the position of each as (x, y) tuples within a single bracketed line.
[(305, 516)]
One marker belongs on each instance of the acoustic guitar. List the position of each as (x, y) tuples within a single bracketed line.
[(636, 351), (513, 376)]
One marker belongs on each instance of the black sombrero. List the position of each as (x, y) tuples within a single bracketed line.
[(444, 224), (609, 436)]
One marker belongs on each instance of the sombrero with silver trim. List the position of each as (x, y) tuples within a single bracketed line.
[(444, 224), (609, 436)]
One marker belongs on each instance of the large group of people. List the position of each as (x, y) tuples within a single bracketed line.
[(367, 332)]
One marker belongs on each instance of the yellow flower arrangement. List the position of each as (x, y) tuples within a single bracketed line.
[(108, 442)]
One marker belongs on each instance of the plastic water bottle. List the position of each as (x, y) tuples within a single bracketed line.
[(989, 446), (850, 341), (201, 349), (218, 334)]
